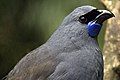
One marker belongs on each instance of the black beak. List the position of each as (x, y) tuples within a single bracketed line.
[(104, 15)]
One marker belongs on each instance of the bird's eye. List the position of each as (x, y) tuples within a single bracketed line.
[(82, 19)]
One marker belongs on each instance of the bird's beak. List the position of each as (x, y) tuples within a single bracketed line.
[(104, 15)]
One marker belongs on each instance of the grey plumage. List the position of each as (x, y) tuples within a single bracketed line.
[(69, 54)]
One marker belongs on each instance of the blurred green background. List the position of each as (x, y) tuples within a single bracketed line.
[(26, 24)]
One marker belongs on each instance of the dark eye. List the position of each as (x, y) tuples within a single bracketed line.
[(82, 19)]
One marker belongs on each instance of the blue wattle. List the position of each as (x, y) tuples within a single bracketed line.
[(93, 29)]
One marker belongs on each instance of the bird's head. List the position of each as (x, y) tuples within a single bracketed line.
[(89, 18), (80, 26)]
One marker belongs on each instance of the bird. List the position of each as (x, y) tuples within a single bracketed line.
[(71, 53)]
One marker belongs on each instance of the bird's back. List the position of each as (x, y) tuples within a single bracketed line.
[(38, 64)]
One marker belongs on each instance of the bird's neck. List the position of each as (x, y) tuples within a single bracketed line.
[(92, 43), (64, 39), (64, 44)]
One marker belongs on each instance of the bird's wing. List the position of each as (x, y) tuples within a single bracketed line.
[(41, 65), (37, 64)]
